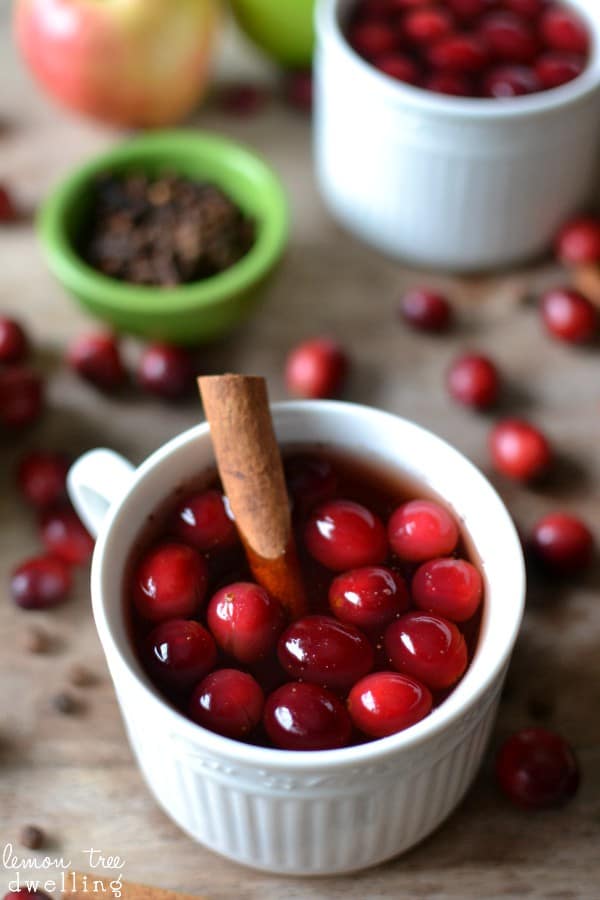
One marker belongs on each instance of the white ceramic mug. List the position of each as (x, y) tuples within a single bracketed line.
[(299, 812), (449, 181)]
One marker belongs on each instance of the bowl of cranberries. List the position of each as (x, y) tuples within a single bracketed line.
[(459, 134), (339, 739)]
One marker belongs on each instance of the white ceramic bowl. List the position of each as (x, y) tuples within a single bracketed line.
[(327, 811), (450, 182)]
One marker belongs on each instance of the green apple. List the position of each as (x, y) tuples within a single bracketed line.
[(282, 28)]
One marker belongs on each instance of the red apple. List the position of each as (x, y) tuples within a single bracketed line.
[(136, 63)]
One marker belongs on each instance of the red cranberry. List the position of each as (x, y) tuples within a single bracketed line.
[(323, 651), (398, 66), (537, 769), (427, 25), (40, 582), (298, 90), (8, 209), (228, 702), (27, 894), (374, 10), (452, 588), (563, 543), (426, 310), (21, 397), (469, 10), (473, 380), (511, 81), (569, 316), (555, 69), (13, 341), (166, 371), (243, 99), (170, 583), (203, 520), (245, 621), (369, 597), (316, 369), (578, 241), (96, 358), (310, 480), (42, 478), (528, 9), (301, 716), (508, 38), (345, 535), (428, 648), (519, 450), (180, 652), (452, 83), (458, 53), (372, 39), (422, 529), (563, 29), (64, 534), (386, 702)]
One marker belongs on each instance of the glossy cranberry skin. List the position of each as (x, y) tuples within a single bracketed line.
[(562, 543), (427, 25), (578, 241), (452, 588), (170, 583), (316, 369), (21, 397), (298, 90), (426, 310), (27, 894), (473, 380), (41, 477), (372, 39), (310, 480), (537, 769), (519, 450), (64, 535), (321, 650), (398, 66), (556, 69), (458, 53), (428, 648), (245, 621), (166, 371), (469, 10), (508, 38), (451, 83), (508, 81), (569, 316), (420, 530), (386, 702), (228, 702), (562, 29), (8, 209), (203, 520), (368, 598), (40, 582), (301, 716), (14, 346), (528, 9), (97, 359), (344, 535), (180, 652)]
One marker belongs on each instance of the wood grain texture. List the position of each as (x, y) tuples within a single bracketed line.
[(74, 776), (85, 886)]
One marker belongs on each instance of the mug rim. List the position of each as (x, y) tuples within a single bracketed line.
[(441, 718)]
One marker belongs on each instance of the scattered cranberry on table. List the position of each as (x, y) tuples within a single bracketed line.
[(42, 476), (298, 89), (384, 703), (40, 582), (27, 894), (473, 380), (321, 650), (228, 702), (421, 530), (96, 358), (428, 648), (569, 316), (316, 369), (537, 769), (368, 598), (170, 583), (64, 534), (243, 99), (14, 345), (203, 520), (562, 543), (578, 241), (448, 587), (245, 621), (21, 397), (345, 535), (8, 209), (166, 371), (519, 450), (426, 310), (180, 652)]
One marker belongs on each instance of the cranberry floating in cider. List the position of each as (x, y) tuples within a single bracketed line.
[(356, 635)]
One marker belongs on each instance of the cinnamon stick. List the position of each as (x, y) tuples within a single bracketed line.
[(249, 463)]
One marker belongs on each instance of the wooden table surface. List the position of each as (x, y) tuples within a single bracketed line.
[(75, 776)]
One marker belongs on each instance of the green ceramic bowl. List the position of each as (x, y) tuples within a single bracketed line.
[(192, 313)]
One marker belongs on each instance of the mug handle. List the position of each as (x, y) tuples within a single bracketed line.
[(95, 481)]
